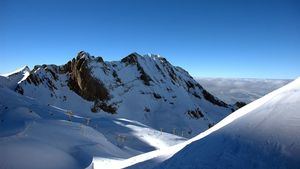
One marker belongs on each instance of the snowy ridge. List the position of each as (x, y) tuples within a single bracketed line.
[(23, 70), (266, 130), (11, 80)]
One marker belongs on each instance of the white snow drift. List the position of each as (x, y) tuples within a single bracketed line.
[(263, 134)]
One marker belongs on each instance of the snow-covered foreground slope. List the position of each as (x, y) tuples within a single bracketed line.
[(35, 135), (233, 90), (263, 134)]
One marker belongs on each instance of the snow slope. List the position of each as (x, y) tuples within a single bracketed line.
[(39, 136), (233, 90), (263, 134), (35, 135)]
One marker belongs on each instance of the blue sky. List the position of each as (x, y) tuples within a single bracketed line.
[(209, 38)]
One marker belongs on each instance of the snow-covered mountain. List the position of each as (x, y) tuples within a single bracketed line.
[(232, 90), (147, 89), (90, 113), (87, 109), (262, 134)]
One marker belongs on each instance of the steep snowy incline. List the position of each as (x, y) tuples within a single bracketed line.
[(146, 89), (263, 134)]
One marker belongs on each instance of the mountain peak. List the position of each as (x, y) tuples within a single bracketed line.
[(25, 69), (131, 58), (83, 54), (21, 70)]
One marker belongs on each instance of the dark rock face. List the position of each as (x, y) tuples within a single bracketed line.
[(157, 96), (99, 59), (54, 75), (195, 113), (130, 59), (32, 78), (100, 105), (212, 99), (115, 75), (190, 85), (210, 125), (169, 69), (240, 104), (146, 109), (19, 90), (81, 80), (144, 77)]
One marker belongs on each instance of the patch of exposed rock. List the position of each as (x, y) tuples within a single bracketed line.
[(81, 80)]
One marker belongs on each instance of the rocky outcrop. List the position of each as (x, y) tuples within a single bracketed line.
[(33, 78), (104, 106), (132, 59), (239, 104), (37, 79), (195, 113), (212, 99), (81, 80)]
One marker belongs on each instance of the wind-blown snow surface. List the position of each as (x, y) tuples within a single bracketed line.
[(233, 90), (263, 134)]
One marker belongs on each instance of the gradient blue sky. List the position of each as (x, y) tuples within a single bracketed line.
[(209, 38)]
